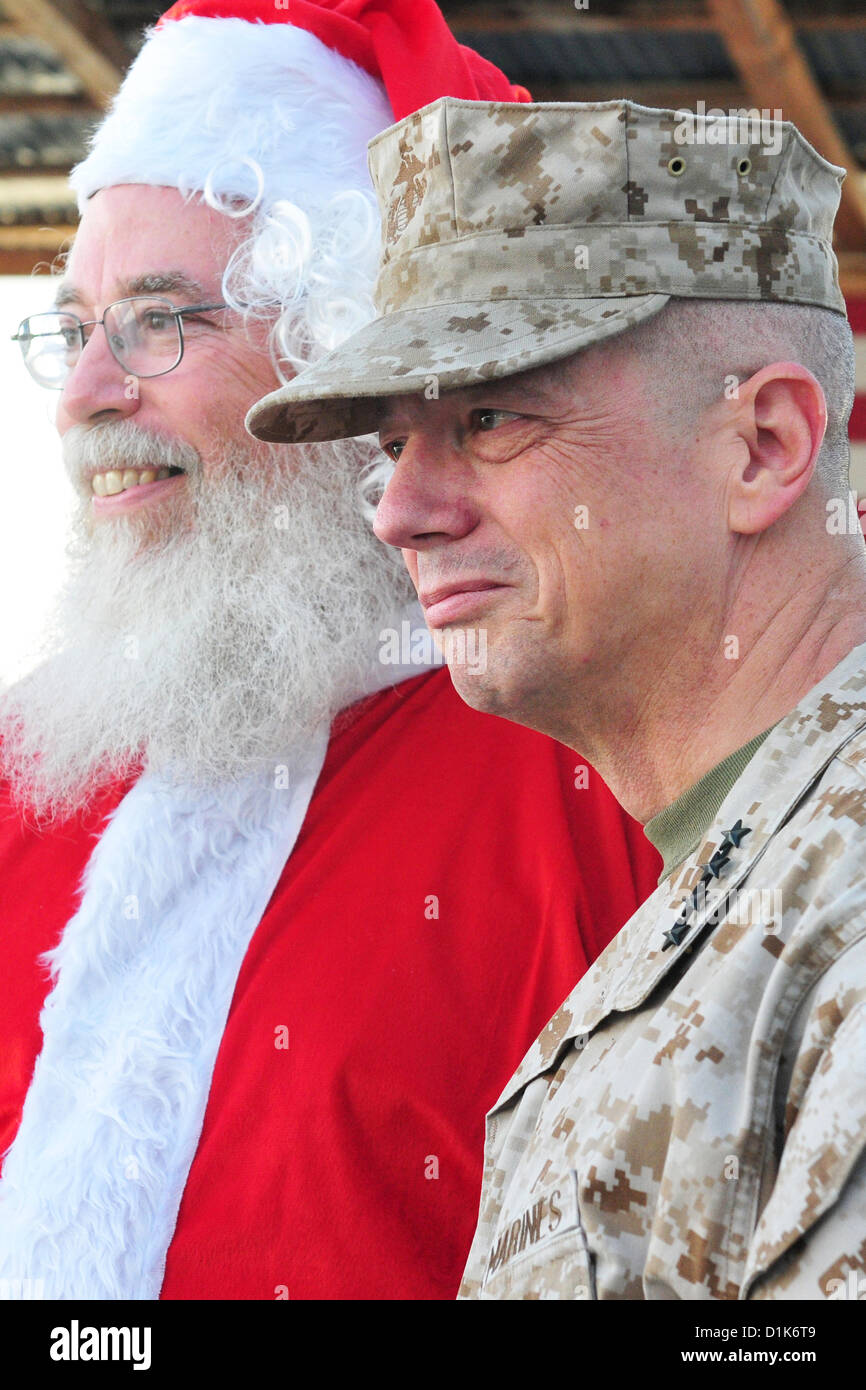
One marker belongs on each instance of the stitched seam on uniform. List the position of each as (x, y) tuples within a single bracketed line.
[(451, 177), (796, 999), (573, 1238), (797, 137), (571, 227), (858, 769), (822, 1209), (520, 299), (627, 143), (821, 772), (559, 298), (750, 1198), (783, 163)]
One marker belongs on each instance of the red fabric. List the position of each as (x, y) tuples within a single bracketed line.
[(857, 423), (857, 315), (405, 43), (403, 1027), (39, 875)]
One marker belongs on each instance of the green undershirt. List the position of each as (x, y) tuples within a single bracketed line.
[(679, 829)]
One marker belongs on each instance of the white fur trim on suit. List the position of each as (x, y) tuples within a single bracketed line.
[(145, 973), (147, 966), (205, 94)]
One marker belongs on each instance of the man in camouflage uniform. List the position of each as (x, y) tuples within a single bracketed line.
[(685, 604)]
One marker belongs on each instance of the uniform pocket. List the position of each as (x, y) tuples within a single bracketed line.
[(541, 1251)]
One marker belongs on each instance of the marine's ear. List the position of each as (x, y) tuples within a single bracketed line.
[(780, 423)]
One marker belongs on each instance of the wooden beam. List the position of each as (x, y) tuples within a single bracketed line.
[(34, 172), (22, 249), (541, 16), (848, 95), (31, 104), (852, 273), (721, 94), (760, 39), (829, 23), (101, 33), (85, 43), (529, 16), (679, 95)]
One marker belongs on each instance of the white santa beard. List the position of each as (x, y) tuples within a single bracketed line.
[(215, 650)]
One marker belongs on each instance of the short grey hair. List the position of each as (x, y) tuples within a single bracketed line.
[(701, 342)]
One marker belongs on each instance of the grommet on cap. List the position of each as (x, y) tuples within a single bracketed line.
[(676, 165), (744, 166)]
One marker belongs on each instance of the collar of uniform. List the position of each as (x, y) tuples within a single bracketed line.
[(678, 830), (793, 756)]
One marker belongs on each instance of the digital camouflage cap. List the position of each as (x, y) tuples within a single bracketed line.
[(515, 235)]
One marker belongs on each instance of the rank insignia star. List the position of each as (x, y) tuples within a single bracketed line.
[(718, 860), (737, 833), (675, 934), (717, 863)]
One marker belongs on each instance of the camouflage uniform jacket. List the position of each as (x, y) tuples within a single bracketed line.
[(692, 1122)]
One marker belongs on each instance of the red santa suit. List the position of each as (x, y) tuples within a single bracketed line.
[(277, 1014), (452, 876)]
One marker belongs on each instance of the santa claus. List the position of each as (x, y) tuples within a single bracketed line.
[(280, 916)]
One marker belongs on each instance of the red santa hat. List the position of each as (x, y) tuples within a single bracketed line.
[(200, 107)]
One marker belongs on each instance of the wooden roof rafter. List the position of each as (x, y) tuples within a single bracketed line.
[(87, 44), (563, 17), (762, 44)]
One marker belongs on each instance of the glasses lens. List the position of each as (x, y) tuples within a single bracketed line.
[(143, 335), (50, 345)]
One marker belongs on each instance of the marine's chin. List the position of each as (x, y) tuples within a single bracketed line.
[(479, 690), (510, 679)]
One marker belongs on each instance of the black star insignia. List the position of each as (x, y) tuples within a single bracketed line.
[(675, 934), (737, 833), (718, 861)]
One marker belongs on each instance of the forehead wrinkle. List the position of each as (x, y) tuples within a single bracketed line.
[(537, 385)]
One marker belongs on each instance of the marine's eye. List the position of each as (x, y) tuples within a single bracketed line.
[(393, 448), (490, 419)]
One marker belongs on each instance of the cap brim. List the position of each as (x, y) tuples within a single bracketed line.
[(435, 349)]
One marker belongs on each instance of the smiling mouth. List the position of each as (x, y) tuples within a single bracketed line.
[(113, 482), (428, 597), (454, 601)]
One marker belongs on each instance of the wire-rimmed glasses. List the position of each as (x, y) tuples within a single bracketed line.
[(145, 335)]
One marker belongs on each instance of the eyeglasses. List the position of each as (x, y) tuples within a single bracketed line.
[(145, 336)]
